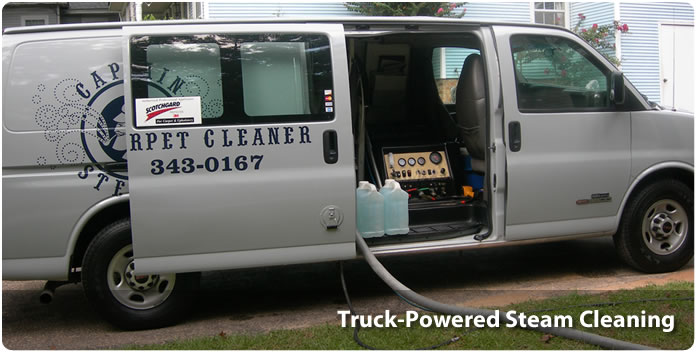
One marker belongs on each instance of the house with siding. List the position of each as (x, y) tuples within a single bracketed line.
[(28, 14), (19, 14), (649, 57)]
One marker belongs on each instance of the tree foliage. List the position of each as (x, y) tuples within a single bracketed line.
[(438, 9)]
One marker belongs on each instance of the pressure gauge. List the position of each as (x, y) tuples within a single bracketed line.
[(411, 161), (421, 161), (402, 162), (435, 157)]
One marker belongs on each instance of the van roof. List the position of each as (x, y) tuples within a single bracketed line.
[(348, 20)]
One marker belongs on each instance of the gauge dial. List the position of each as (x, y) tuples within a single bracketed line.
[(411, 161), (421, 161), (402, 162), (435, 157)]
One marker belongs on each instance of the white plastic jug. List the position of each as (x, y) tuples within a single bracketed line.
[(395, 208), (370, 210)]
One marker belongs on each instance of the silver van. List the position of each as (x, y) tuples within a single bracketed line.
[(136, 155)]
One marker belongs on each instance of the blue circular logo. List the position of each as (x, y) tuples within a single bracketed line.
[(114, 117), (102, 127)]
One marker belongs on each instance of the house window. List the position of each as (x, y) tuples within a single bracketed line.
[(553, 13), (34, 20)]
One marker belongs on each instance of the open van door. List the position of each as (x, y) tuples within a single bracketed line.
[(240, 148)]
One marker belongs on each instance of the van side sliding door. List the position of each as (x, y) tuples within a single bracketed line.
[(240, 148)]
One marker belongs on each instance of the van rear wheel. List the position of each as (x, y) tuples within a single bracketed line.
[(127, 300), (656, 231)]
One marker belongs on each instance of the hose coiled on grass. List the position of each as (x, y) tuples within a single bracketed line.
[(422, 301)]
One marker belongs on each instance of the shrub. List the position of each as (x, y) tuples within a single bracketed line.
[(601, 37)]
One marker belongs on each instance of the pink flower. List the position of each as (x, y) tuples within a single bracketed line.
[(440, 10), (584, 30), (580, 15), (594, 26), (596, 40), (452, 6), (563, 73), (546, 71), (625, 27)]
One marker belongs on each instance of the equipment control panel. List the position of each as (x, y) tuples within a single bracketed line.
[(416, 163)]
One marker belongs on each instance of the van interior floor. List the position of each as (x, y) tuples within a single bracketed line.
[(430, 221)]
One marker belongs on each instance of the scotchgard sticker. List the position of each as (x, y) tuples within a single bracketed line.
[(170, 111)]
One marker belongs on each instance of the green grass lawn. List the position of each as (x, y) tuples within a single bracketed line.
[(332, 336)]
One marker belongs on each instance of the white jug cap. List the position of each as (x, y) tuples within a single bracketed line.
[(366, 185), (391, 183)]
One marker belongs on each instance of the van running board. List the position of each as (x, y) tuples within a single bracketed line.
[(430, 232)]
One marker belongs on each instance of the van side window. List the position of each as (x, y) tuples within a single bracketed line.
[(277, 70), (556, 74), (241, 79), (447, 66), (195, 71)]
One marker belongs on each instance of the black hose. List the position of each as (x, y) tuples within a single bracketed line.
[(356, 328), (435, 306)]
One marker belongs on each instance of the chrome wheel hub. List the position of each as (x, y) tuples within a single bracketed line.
[(665, 227), (136, 291), (139, 282)]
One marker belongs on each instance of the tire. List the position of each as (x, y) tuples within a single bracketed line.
[(656, 230), (127, 301)]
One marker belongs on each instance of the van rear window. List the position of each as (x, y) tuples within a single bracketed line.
[(240, 79)]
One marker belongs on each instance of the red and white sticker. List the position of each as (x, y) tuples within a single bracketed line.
[(174, 111)]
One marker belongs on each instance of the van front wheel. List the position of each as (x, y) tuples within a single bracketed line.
[(127, 300), (656, 231)]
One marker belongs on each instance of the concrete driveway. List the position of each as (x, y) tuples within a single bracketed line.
[(260, 300)]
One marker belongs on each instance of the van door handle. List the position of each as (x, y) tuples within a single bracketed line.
[(330, 147), (515, 135)]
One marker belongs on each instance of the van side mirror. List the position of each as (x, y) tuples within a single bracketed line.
[(618, 92)]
